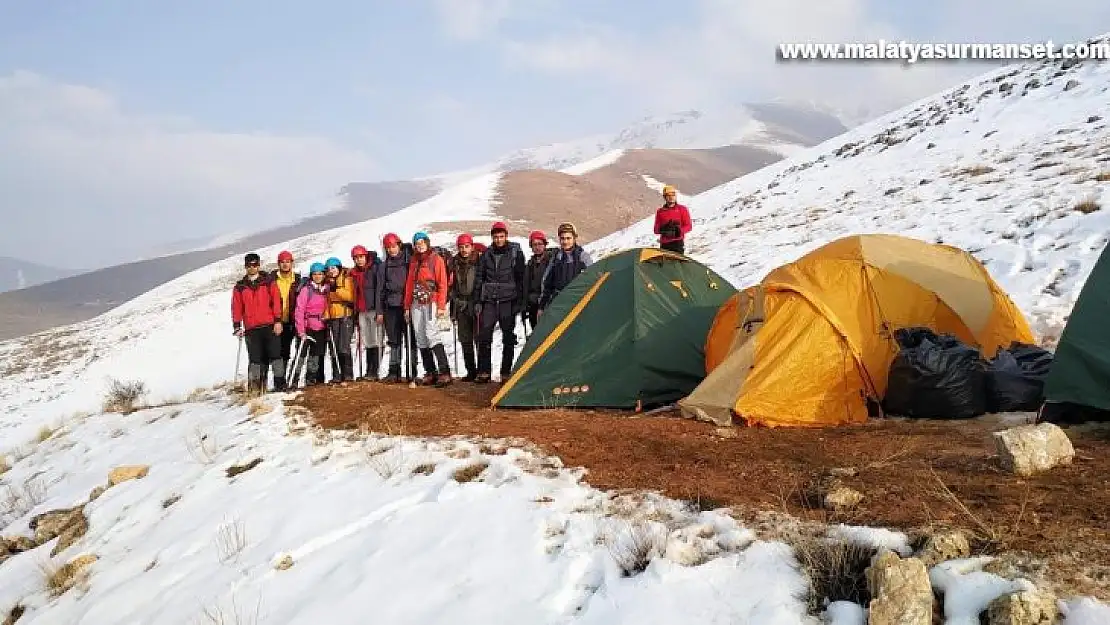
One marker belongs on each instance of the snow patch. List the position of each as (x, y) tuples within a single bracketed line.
[(608, 158)]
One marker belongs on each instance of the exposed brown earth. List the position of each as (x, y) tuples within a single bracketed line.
[(613, 197), (914, 474)]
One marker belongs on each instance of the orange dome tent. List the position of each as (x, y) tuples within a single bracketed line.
[(811, 345)]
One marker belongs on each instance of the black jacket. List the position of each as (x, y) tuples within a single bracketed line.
[(533, 277), (389, 281), (500, 275)]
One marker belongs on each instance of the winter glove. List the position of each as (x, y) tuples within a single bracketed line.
[(237, 329)]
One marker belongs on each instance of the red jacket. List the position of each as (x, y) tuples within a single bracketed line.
[(255, 303), (427, 267), (358, 276), (678, 213)]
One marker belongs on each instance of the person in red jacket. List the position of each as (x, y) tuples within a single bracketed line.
[(672, 222), (364, 275), (256, 309), (426, 307)]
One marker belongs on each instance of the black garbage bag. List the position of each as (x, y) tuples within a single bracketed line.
[(935, 377), (1015, 378)]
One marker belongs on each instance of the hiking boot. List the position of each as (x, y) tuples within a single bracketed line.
[(373, 364), (428, 379), (442, 366), (482, 378), (469, 362), (280, 386), (444, 379)]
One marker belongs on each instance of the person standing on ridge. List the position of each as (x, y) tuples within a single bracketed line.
[(288, 282), (533, 277), (341, 317), (461, 294), (364, 275), (389, 302), (565, 265), (672, 222), (425, 306), (312, 306), (499, 284), (256, 317)]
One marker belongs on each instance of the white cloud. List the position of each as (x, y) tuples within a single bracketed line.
[(471, 19), (727, 50), (79, 174)]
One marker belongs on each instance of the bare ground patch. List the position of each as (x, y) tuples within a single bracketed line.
[(915, 475)]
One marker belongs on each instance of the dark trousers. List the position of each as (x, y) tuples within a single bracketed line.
[(491, 316), (466, 327), (288, 333), (263, 352), (342, 331), (679, 247), (395, 338), (532, 315), (314, 356)]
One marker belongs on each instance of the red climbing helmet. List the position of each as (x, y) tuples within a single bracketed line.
[(464, 239), (357, 251), (391, 239), (537, 235), (285, 255)]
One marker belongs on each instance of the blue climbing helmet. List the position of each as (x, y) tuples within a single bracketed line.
[(333, 262), (317, 268), (421, 235)]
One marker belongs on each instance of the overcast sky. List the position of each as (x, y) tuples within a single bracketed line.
[(124, 124)]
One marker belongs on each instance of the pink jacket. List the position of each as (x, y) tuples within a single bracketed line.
[(312, 308)]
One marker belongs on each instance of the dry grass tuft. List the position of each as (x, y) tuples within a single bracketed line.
[(216, 615), (836, 569), (231, 540), (14, 614), (470, 472), (58, 580), (424, 468), (258, 407), (45, 433), (634, 548), (4, 466), (976, 170), (1102, 177), (123, 397), (1087, 206), (17, 500)]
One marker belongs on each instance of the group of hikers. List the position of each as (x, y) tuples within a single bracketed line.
[(409, 297)]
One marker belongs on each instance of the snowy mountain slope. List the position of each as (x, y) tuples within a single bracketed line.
[(178, 336), (1013, 166), (377, 528), (778, 127)]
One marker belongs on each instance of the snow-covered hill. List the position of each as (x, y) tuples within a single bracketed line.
[(778, 127), (353, 528), (1013, 166)]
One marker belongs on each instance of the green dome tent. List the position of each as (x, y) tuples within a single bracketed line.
[(628, 332), (1078, 384)]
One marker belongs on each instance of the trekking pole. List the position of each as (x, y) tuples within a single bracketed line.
[(358, 345), (238, 362), (298, 358), (334, 356), (412, 365), (455, 343)]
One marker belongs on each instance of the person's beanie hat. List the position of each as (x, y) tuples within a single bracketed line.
[(252, 258)]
